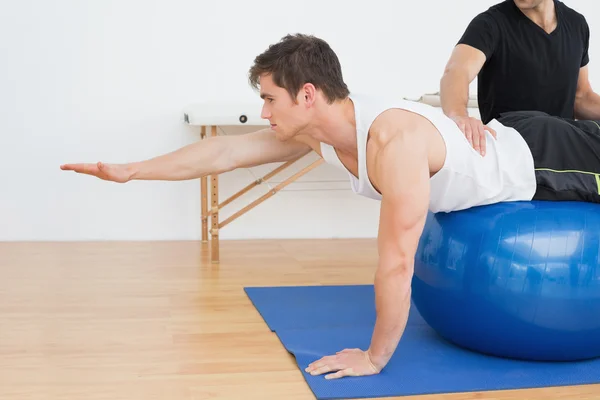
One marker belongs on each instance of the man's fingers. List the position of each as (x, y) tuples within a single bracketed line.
[(340, 374), (73, 167), (493, 132), (320, 369), (314, 366), (96, 169), (469, 134), (324, 365), (475, 137), (481, 135), (80, 168), (69, 167)]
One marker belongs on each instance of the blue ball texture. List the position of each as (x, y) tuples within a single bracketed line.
[(518, 280)]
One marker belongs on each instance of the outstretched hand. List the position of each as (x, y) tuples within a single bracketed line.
[(109, 172), (348, 362)]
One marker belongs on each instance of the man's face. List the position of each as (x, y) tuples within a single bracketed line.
[(528, 4), (287, 118)]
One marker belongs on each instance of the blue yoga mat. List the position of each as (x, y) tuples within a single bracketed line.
[(314, 321)]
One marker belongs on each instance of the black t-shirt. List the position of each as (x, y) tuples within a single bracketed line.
[(526, 68)]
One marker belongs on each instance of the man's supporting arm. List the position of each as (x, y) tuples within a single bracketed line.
[(403, 176)]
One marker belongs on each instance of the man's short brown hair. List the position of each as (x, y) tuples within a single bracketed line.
[(298, 59)]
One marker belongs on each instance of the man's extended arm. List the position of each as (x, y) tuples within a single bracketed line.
[(209, 156), (587, 102), (403, 176)]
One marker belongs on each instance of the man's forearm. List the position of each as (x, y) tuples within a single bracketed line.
[(587, 106), (208, 156), (392, 300), (454, 93)]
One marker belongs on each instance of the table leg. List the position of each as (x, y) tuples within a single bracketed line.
[(214, 191), (204, 197)]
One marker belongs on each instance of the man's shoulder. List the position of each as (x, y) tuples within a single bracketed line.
[(389, 115), (503, 8), (498, 17), (372, 106), (498, 12), (570, 14)]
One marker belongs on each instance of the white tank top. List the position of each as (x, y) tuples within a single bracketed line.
[(505, 173)]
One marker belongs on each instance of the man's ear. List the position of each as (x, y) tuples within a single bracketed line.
[(309, 94)]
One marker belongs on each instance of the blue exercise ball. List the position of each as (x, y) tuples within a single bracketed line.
[(518, 280)]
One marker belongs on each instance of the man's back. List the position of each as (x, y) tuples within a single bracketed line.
[(526, 67), (465, 179)]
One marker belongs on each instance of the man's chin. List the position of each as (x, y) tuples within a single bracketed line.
[(283, 136)]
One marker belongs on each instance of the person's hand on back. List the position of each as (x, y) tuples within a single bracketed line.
[(120, 173), (474, 131), (461, 69)]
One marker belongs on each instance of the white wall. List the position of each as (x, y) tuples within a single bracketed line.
[(107, 80)]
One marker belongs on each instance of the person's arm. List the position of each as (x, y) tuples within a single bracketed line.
[(474, 48), (463, 66), (587, 102), (402, 174), (213, 155)]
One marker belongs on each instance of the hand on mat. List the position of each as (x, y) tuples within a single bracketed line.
[(108, 172), (474, 130), (349, 362)]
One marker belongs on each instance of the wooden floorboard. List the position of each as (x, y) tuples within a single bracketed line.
[(159, 321)]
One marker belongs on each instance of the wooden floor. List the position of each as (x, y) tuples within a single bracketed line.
[(150, 321)]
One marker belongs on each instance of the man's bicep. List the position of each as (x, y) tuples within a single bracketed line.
[(263, 147), (405, 201), (466, 58)]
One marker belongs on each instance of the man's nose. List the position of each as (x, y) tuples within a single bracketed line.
[(265, 114)]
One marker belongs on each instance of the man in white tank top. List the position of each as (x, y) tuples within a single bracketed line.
[(409, 156)]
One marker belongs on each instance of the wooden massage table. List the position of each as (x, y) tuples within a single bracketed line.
[(211, 116)]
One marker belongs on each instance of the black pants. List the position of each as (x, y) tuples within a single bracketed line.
[(566, 154)]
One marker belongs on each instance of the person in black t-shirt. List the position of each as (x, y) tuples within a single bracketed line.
[(528, 55)]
